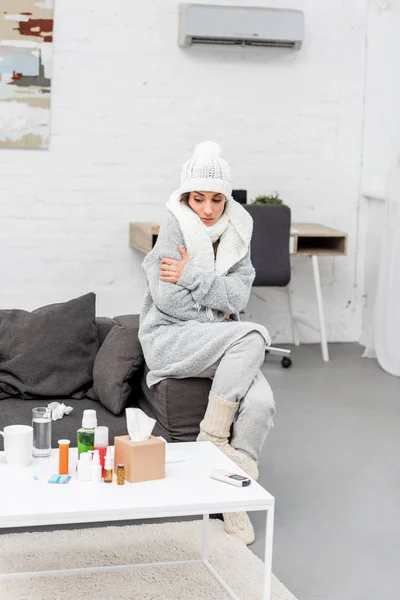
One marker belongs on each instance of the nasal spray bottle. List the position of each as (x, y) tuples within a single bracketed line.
[(108, 466), (85, 435), (95, 468)]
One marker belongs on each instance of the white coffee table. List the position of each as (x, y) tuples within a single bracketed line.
[(186, 490)]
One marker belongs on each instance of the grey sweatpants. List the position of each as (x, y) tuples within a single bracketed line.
[(237, 377)]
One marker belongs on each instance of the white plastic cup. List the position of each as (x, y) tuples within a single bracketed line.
[(84, 464), (18, 441)]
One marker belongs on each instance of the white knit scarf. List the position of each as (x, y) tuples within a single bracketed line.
[(234, 229), (215, 231)]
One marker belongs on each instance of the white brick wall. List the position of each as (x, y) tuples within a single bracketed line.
[(128, 106)]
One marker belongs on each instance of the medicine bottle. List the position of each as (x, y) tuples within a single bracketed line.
[(85, 435), (120, 474)]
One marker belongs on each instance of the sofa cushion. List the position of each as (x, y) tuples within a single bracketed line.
[(50, 351), (178, 405), (128, 320), (104, 326), (119, 362)]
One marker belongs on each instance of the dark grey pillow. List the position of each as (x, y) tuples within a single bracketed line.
[(104, 326), (50, 351), (119, 364)]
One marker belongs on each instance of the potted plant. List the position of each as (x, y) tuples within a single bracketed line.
[(267, 199)]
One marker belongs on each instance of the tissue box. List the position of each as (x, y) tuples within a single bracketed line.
[(143, 461)]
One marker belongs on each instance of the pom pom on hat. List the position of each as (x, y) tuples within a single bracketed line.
[(206, 171), (207, 149)]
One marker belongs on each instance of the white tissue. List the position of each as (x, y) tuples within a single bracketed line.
[(139, 424), (172, 455), (175, 456), (58, 410)]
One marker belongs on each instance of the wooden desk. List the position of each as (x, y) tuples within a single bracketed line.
[(313, 239), (306, 239)]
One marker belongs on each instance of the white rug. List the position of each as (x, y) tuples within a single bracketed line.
[(132, 544)]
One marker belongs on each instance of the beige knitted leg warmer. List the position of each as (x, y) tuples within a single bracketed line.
[(243, 460), (215, 428), (239, 525), (217, 422)]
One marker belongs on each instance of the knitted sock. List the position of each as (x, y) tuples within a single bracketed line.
[(243, 460), (218, 419), (214, 428), (239, 525)]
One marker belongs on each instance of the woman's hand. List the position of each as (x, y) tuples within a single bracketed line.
[(171, 269)]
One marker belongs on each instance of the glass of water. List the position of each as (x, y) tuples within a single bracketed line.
[(41, 423)]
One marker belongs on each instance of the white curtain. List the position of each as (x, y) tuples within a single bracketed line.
[(384, 342)]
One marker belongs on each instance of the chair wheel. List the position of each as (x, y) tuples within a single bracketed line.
[(286, 362)]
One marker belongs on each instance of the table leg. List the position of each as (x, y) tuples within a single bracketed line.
[(317, 283), (208, 565), (206, 522), (269, 536), (293, 324)]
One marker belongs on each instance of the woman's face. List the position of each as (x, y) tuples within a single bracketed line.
[(209, 206)]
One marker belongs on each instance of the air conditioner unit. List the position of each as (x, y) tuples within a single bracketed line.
[(237, 25)]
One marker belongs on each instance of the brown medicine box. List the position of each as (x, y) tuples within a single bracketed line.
[(143, 461)]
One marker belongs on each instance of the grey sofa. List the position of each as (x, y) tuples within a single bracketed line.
[(177, 405)]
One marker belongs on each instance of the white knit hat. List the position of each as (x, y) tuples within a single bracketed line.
[(206, 171)]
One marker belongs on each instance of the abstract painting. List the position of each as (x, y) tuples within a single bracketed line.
[(26, 43)]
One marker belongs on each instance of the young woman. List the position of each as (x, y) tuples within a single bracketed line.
[(199, 278)]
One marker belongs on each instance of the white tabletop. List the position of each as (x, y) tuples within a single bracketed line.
[(186, 490)]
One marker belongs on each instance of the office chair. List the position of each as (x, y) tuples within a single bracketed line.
[(270, 254)]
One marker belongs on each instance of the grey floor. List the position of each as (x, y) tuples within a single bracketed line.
[(332, 462)]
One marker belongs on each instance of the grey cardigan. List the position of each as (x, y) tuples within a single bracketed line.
[(178, 339)]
